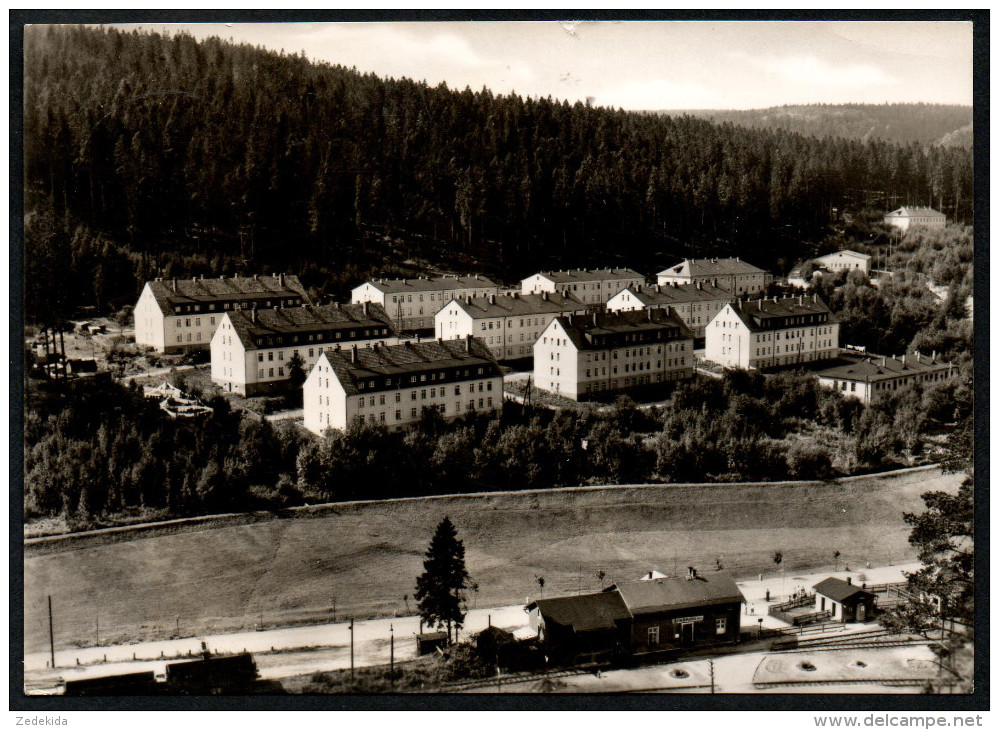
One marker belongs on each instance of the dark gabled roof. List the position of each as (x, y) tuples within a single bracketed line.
[(231, 289), (869, 368), (513, 305), (665, 295), (409, 358), (669, 594), (766, 314), (437, 283), (711, 267), (307, 319), (586, 612), (570, 276), (600, 330), (838, 590)]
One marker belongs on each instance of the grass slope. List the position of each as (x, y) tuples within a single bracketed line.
[(368, 555)]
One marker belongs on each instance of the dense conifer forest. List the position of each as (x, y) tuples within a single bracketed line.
[(159, 155), (899, 123)]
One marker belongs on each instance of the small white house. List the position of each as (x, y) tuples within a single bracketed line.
[(845, 260), (909, 216)]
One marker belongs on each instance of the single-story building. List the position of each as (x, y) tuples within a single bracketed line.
[(649, 616), (844, 601), (590, 625)]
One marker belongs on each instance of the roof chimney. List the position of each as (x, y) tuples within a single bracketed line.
[(934, 358), (253, 314), (353, 354), (281, 279), (594, 319), (364, 308), (255, 277), (544, 295), (691, 573), (492, 298), (849, 580)]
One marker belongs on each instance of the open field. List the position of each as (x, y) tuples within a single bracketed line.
[(286, 571)]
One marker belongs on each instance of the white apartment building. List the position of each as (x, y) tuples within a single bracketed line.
[(867, 376), (734, 275), (590, 286), (582, 357), (696, 304), (252, 350), (509, 325), (180, 315), (393, 384), (909, 216), (412, 303), (764, 333), (845, 260)]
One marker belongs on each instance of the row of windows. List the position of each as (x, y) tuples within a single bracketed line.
[(180, 338), (226, 306), (487, 387), (670, 363), (446, 296), (197, 322), (330, 336)]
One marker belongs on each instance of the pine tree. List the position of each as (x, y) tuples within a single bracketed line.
[(440, 589)]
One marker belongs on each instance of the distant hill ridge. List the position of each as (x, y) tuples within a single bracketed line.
[(942, 124)]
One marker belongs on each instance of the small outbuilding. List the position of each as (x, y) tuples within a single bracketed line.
[(429, 643), (844, 601), (590, 625)]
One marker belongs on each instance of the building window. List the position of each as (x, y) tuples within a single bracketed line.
[(412, 411), (720, 625), (270, 372), (653, 636), (281, 372), (261, 373), (398, 415)]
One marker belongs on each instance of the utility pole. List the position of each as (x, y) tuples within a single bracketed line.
[(97, 621), (711, 667), (51, 635), (351, 629), (392, 655)]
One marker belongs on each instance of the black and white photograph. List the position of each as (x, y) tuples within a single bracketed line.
[(526, 358)]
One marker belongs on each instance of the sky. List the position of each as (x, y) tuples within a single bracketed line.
[(651, 65)]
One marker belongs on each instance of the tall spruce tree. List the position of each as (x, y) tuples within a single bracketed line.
[(440, 589)]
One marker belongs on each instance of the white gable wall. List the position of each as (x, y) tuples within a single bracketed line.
[(149, 323)]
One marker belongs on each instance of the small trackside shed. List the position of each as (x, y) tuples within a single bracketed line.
[(590, 625), (844, 601)]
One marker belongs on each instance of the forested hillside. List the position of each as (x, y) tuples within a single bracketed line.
[(149, 154), (900, 123)]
